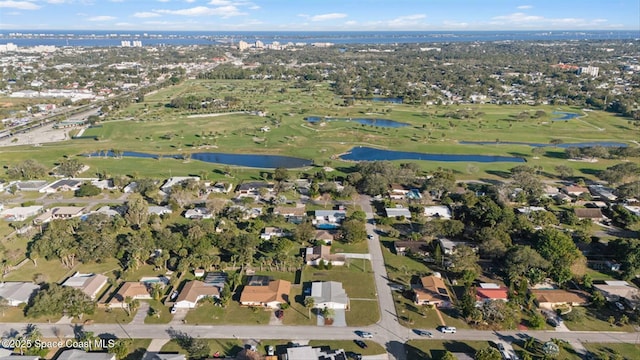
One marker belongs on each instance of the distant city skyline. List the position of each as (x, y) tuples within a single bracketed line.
[(319, 15)]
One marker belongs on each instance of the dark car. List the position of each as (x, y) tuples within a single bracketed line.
[(354, 356), (360, 343), (279, 314)]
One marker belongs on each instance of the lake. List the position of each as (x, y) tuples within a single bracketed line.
[(565, 115), (246, 160), (363, 121), (371, 154), (393, 100), (563, 146)]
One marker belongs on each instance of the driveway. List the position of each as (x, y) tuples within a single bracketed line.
[(141, 314), (339, 319), (178, 317)]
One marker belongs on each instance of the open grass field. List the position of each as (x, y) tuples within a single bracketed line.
[(435, 349), (158, 129), (604, 350), (207, 313)]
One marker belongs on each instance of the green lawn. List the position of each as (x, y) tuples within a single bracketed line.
[(226, 347), (137, 348), (207, 313), (604, 350), (597, 320), (16, 314), (357, 278), (373, 348), (401, 268), (435, 349), (423, 317), (162, 314), (106, 316), (363, 313), (359, 248)]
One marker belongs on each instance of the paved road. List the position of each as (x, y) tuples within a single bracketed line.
[(387, 331)]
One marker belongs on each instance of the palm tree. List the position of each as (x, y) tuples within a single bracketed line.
[(309, 303)]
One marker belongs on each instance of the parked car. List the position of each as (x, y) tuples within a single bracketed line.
[(360, 343), (174, 310), (423, 333), (270, 350), (619, 305), (447, 329), (364, 334), (553, 322), (279, 314), (353, 355)]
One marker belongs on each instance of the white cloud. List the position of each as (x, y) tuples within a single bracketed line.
[(331, 16), (219, 2), (164, 1), (525, 7), (146, 14), (22, 5), (189, 1), (518, 17), (254, 7), (102, 18), (222, 11), (406, 21), (522, 20), (455, 24), (351, 22)]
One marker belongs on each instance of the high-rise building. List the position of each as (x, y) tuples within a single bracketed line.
[(243, 45), (125, 43), (589, 70)]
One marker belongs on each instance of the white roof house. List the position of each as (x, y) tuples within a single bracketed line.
[(198, 213), (166, 187), (329, 294), (17, 293), (20, 213), (159, 210), (90, 284), (398, 211), (439, 211), (77, 354)]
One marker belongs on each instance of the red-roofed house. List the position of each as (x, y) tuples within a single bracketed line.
[(489, 292)]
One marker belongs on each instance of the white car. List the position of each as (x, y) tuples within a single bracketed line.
[(174, 310), (270, 350), (365, 335), (447, 329)]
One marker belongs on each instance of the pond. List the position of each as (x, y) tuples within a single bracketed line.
[(363, 121), (246, 160), (371, 154), (565, 115), (393, 100), (563, 146)]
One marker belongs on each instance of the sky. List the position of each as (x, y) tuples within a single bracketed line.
[(320, 15)]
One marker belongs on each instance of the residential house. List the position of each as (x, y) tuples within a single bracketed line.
[(448, 247), (20, 213), (131, 187), (594, 214), (397, 212), (431, 290), (490, 292), (106, 210), (16, 293), (269, 293), (528, 210), (198, 214), (397, 192), (414, 247), (67, 212), (439, 211), (159, 210), (7, 354), (106, 184), (29, 185), (130, 289), (293, 214), (329, 294), (550, 191), (552, 299), (603, 193), (194, 291), (316, 254), (575, 190), (90, 284), (620, 291), (220, 188), (270, 232), (329, 217), (324, 236), (252, 188), (177, 180), (77, 354), (62, 185)]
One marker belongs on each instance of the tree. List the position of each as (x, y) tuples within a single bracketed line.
[(60, 300), (281, 174), (304, 232), (560, 250), (353, 231), (448, 355), (70, 167), (28, 169), (464, 258), (120, 349), (564, 171), (328, 313), (137, 210), (309, 303), (488, 353), (88, 189), (520, 260)]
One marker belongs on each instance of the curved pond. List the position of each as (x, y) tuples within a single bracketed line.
[(371, 154), (565, 115), (564, 146), (393, 100), (247, 160), (363, 121)]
